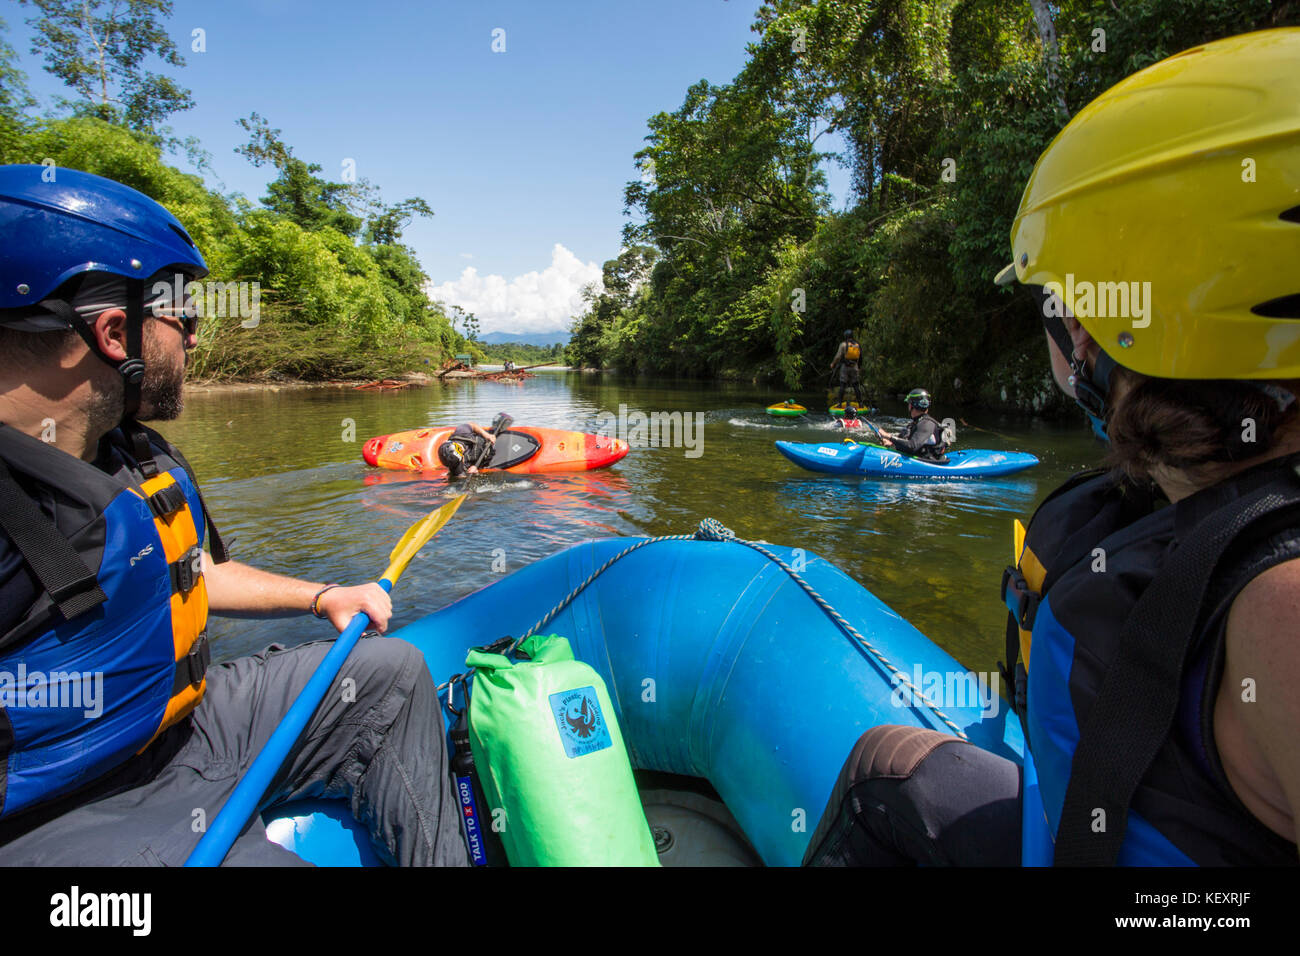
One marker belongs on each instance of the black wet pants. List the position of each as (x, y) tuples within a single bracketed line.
[(376, 741), (850, 377), (909, 796)]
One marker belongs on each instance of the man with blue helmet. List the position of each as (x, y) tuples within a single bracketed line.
[(116, 735)]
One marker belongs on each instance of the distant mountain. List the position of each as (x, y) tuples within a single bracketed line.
[(529, 338)]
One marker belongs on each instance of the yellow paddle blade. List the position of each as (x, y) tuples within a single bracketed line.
[(418, 535)]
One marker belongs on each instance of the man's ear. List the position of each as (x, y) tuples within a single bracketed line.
[(109, 330), (1079, 336)]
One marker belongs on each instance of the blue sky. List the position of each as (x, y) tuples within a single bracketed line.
[(523, 154)]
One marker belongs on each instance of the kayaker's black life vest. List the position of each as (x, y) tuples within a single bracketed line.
[(1092, 552), (935, 449), (474, 445), (112, 649)]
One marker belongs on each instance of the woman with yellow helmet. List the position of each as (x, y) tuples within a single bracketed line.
[(1154, 636)]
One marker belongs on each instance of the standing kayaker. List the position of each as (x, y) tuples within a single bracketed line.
[(848, 359), (135, 742), (1152, 646), (465, 449), (924, 436)]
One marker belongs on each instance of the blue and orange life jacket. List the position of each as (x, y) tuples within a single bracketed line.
[(1091, 551), (108, 658)]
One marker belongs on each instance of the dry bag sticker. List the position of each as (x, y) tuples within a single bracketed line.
[(582, 726)]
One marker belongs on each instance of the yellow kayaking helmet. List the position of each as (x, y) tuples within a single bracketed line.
[(1166, 214)]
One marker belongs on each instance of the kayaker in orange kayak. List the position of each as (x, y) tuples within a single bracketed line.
[(464, 449)]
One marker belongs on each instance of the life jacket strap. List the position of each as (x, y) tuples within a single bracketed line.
[(216, 545), (191, 668), (141, 451), (165, 502), (71, 585)]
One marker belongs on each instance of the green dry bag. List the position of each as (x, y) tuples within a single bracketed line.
[(550, 756)]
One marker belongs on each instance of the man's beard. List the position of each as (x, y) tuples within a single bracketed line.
[(161, 397)]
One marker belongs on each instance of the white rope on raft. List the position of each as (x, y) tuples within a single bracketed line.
[(713, 530)]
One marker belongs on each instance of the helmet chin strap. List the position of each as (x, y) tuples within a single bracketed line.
[(1091, 391), (132, 371), (131, 368)]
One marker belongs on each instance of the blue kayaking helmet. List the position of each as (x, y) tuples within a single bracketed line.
[(61, 223), (78, 223)]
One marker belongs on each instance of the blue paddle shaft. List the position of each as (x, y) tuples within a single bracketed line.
[(243, 803)]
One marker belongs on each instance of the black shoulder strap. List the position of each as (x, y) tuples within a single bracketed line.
[(1138, 698), (139, 435), (1013, 670), (71, 585)]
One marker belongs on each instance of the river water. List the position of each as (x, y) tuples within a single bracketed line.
[(283, 475)]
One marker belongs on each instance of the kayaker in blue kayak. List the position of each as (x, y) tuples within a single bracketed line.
[(924, 435), (119, 743), (1152, 643)]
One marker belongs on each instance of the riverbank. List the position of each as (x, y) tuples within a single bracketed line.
[(413, 379), (296, 384)]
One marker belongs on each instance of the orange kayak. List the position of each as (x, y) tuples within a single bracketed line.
[(520, 448)]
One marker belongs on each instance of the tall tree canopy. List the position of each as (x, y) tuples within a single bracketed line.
[(100, 48), (942, 108)]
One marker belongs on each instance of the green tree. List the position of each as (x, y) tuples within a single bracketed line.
[(726, 182), (620, 278), (387, 225), (298, 193), (99, 48), (15, 100)]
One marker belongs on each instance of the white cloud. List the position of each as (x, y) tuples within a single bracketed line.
[(467, 255), (543, 301)]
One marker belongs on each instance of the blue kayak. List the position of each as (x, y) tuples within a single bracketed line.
[(877, 461), (738, 694)]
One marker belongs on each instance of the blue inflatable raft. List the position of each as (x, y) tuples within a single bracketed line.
[(877, 461), (725, 671)]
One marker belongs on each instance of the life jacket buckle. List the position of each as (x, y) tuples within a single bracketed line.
[(198, 658), (185, 573), (1021, 600), (165, 502)]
